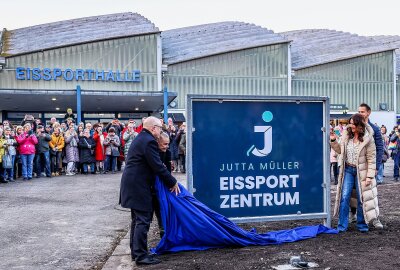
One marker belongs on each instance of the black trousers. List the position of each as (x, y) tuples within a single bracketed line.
[(139, 228)]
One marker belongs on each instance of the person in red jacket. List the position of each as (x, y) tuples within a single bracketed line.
[(99, 137), (27, 142)]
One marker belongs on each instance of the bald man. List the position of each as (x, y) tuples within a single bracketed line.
[(143, 164)]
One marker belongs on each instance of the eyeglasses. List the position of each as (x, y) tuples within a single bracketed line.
[(158, 126)]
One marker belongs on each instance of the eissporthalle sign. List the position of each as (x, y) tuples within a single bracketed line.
[(68, 74)]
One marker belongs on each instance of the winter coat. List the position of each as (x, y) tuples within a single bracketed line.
[(85, 146), (128, 138), (11, 146), (108, 144), (366, 167), (378, 143), (27, 143), (173, 146), (143, 164), (2, 148), (99, 151), (71, 147), (43, 143), (182, 144), (57, 141), (333, 156)]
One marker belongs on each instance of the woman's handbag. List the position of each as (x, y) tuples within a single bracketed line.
[(7, 161)]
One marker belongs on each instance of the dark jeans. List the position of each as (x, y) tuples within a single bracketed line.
[(56, 162), (182, 159), (88, 165), (396, 158), (139, 228), (157, 212), (335, 171), (43, 160), (110, 163)]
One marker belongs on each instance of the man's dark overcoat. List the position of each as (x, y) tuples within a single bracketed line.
[(143, 163)]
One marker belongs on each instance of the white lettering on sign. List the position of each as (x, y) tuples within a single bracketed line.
[(257, 182), (259, 199)]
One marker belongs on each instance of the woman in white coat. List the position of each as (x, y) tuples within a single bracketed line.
[(358, 166)]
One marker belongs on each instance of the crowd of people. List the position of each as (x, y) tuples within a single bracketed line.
[(391, 149), (33, 149), (359, 150)]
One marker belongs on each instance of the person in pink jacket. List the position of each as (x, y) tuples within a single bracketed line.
[(27, 141)]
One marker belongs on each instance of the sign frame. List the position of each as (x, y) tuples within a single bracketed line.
[(326, 213)]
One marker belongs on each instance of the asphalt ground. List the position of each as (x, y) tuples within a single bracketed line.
[(65, 222)]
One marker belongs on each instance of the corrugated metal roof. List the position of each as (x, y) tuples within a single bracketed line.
[(313, 47), (393, 41), (194, 42), (76, 31)]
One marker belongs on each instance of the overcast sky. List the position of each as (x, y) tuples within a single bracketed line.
[(367, 17)]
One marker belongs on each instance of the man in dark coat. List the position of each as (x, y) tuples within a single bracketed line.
[(365, 111), (165, 156), (143, 164)]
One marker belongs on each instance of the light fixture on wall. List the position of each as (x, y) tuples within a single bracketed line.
[(53, 99), (173, 104), (383, 107)]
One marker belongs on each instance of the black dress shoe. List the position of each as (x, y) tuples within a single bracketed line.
[(147, 261)]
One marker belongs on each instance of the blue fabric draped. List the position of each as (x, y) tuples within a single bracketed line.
[(191, 225)]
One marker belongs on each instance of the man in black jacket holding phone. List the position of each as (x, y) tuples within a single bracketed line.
[(143, 164)]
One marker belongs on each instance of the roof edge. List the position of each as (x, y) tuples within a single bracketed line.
[(4, 36), (78, 43), (227, 51), (343, 58)]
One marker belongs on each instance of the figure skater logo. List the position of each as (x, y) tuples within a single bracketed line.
[(267, 130)]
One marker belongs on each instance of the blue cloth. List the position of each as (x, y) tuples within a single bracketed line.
[(190, 225)]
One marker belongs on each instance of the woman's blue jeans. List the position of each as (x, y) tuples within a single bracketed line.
[(379, 176), (27, 165), (110, 163), (9, 173), (349, 181)]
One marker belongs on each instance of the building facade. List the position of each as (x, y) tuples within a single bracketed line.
[(121, 65)]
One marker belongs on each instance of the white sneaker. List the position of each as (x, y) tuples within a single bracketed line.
[(377, 224), (69, 174)]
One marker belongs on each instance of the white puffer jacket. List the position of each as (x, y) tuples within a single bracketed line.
[(366, 167)]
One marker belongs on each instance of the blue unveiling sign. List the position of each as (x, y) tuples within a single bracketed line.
[(260, 158)]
